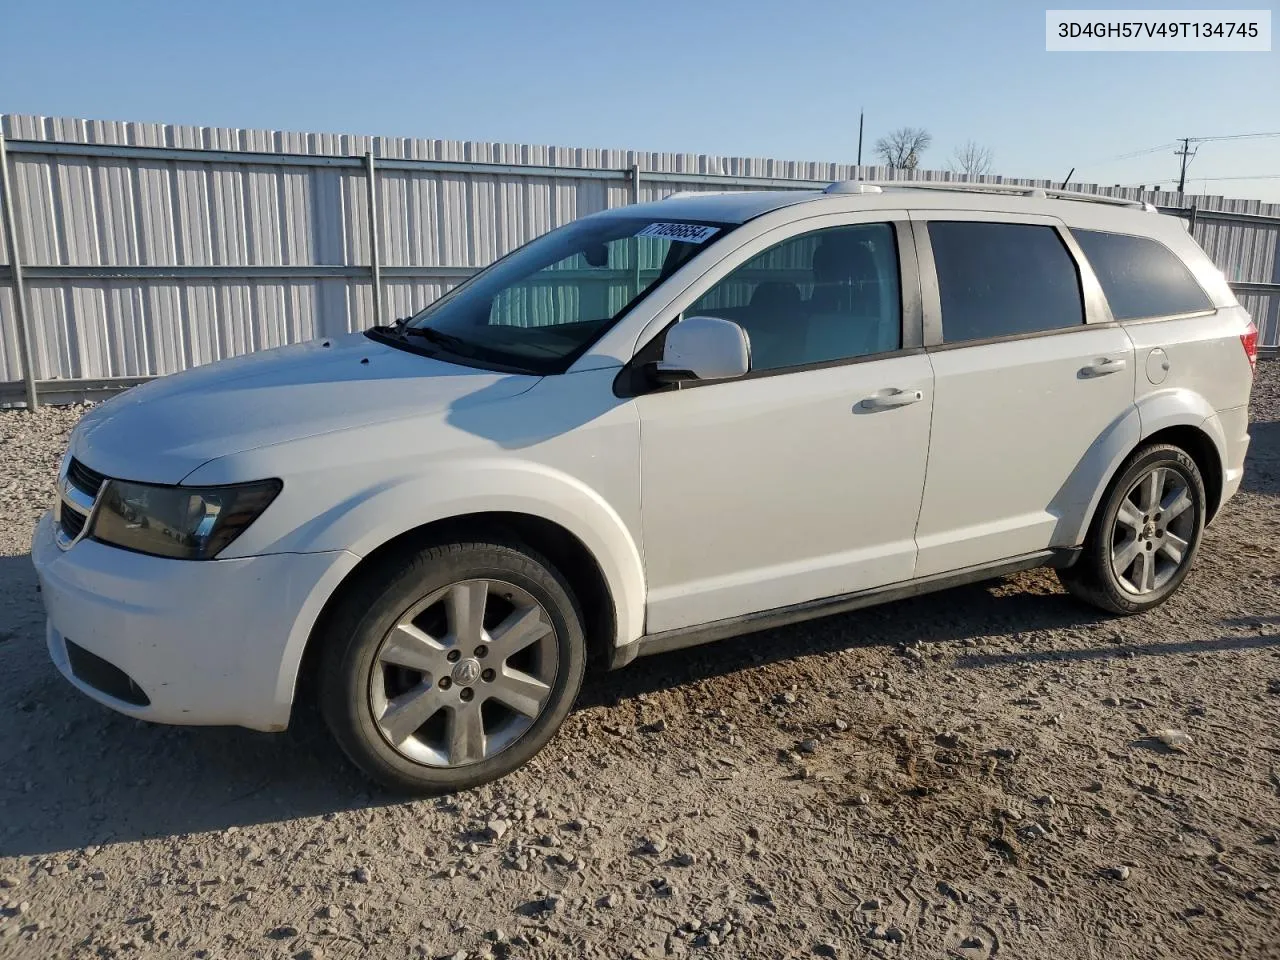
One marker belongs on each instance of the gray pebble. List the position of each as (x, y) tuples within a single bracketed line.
[(653, 845)]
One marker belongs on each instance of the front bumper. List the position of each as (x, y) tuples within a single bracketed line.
[(203, 642)]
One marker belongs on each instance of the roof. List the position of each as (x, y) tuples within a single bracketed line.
[(739, 206)]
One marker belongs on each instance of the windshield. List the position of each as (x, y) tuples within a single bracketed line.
[(542, 306)]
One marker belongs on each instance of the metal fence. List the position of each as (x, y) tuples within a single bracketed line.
[(131, 251)]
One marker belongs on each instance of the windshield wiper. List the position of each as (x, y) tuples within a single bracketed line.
[(394, 328), (446, 340)]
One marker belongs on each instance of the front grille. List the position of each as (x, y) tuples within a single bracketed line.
[(83, 479), (71, 521), (104, 675)]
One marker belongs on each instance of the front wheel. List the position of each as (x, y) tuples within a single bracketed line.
[(453, 670), (1145, 534)]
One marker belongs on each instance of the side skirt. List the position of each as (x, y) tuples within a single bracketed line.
[(810, 610)]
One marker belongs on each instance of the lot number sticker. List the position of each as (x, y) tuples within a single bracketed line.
[(686, 232)]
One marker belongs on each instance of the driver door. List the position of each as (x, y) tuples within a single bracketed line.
[(803, 479)]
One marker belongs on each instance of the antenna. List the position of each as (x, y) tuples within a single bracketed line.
[(1068, 179)]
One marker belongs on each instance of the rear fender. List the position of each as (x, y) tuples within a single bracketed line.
[(1175, 407)]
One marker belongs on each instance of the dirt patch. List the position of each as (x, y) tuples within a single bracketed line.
[(979, 773)]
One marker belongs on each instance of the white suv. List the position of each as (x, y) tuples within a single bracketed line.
[(655, 426)]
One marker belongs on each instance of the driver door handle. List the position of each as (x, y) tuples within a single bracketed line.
[(893, 397), (1103, 366)]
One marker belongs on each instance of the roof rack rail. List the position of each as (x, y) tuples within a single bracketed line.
[(681, 194), (1038, 193)]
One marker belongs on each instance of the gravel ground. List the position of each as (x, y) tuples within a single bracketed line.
[(968, 775)]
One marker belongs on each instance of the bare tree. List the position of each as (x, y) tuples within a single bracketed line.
[(970, 159), (902, 148)]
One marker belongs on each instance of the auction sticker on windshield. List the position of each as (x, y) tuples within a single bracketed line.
[(687, 232)]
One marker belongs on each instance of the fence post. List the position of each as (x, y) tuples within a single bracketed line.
[(19, 287), (375, 258)]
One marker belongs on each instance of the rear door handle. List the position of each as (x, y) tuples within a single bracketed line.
[(1103, 366), (893, 397)]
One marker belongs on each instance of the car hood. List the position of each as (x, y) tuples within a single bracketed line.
[(162, 430)]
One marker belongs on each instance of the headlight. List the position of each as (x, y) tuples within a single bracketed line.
[(189, 523)]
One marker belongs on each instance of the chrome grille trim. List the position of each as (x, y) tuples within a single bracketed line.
[(73, 477)]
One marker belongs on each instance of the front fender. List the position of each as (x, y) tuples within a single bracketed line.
[(367, 521)]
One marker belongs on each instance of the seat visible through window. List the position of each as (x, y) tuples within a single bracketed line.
[(844, 317), (822, 296)]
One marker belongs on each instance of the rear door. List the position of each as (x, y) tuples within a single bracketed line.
[(1030, 371)]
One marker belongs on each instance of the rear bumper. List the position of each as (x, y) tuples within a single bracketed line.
[(1235, 432), (207, 642)]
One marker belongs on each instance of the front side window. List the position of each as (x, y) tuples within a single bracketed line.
[(822, 296), (1140, 277), (1003, 279), (542, 306)]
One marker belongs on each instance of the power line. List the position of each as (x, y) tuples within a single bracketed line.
[(1156, 180), (1234, 136), (1173, 143), (1135, 153)]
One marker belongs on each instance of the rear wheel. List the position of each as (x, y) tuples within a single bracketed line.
[(1145, 534), (456, 669)]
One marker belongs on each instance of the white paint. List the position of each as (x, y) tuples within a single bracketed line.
[(697, 504)]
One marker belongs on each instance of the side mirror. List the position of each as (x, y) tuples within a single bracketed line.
[(703, 348)]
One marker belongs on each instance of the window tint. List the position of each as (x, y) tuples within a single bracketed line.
[(1001, 279), (827, 295), (1141, 278)]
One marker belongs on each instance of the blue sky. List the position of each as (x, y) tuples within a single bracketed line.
[(780, 79)]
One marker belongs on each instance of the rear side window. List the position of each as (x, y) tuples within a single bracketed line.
[(1003, 279), (1141, 278)]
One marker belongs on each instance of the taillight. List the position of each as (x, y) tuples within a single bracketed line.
[(1249, 340)]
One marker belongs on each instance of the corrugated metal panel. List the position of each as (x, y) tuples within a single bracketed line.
[(9, 367), (113, 211)]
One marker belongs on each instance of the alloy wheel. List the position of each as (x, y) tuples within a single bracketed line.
[(1153, 530), (464, 673)]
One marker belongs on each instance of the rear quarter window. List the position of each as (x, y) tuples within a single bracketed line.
[(1140, 277)]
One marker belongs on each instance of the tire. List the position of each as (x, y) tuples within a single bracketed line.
[(406, 672), (1104, 576)]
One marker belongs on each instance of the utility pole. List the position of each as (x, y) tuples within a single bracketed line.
[(861, 114), (1186, 153)]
